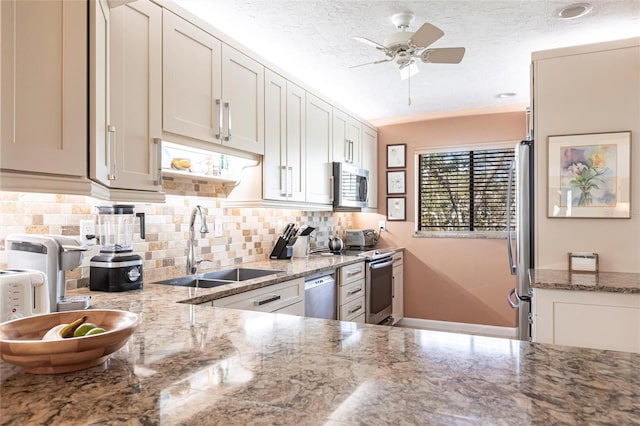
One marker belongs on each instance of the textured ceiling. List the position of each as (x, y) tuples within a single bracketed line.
[(313, 41)]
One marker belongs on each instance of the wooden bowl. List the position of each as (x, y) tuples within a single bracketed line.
[(21, 344)]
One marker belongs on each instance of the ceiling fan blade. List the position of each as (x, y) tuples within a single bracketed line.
[(372, 63), (446, 55), (426, 35), (370, 43)]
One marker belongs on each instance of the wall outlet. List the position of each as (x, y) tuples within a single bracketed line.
[(217, 228), (382, 225), (87, 227)]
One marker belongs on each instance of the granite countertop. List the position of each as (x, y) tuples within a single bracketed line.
[(197, 365), (615, 282)]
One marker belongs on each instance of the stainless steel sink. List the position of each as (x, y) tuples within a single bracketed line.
[(218, 278)]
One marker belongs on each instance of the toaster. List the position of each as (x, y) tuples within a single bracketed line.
[(23, 293), (360, 238)]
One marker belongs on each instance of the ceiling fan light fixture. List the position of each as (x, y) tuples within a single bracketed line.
[(506, 95), (574, 11), (409, 70)]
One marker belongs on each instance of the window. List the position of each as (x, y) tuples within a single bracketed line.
[(464, 190)]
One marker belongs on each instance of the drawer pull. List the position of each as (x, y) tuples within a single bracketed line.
[(352, 272), (354, 310), (352, 292), (268, 299)]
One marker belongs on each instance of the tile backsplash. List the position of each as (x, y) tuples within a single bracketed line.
[(248, 233)]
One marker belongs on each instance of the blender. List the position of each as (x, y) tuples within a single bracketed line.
[(116, 268)]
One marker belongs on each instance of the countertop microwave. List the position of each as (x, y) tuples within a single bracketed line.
[(350, 186)]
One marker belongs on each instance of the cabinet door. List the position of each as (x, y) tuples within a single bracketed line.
[(274, 166), (136, 93), (370, 162), (191, 80), (44, 87), (296, 142), (318, 151), (341, 145), (354, 136), (101, 138), (243, 95), (397, 306)]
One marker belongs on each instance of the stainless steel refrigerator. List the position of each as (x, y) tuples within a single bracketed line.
[(520, 248)]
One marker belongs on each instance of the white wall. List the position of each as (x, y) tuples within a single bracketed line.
[(587, 89)]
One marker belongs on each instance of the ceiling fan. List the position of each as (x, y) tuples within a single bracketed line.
[(404, 47)]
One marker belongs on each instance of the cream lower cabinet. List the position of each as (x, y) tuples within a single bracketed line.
[(284, 155), (129, 158), (351, 293), (397, 306), (590, 319), (286, 297), (44, 88), (211, 92), (370, 162), (319, 120)]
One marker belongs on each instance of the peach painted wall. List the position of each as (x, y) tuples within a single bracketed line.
[(448, 279)]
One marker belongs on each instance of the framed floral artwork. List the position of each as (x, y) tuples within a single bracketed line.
[(589, 175), (396, 208), (396, 182), (397, 156)]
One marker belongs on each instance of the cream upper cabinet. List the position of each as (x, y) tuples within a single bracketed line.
[(191, 80), (130, 160), (283, 164), (211, 92), (44, 87), (243, 101), (346, 138), (318, 151), (370, 162)]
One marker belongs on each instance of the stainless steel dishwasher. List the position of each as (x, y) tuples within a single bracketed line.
[(320, 295)]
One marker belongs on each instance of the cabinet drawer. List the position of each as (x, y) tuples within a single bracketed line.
[(352, 309), (359, 319), (295, 309), (267, 299), (351, 291), (351, 273)]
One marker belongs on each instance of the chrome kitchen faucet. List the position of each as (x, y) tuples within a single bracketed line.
[(192, 262)]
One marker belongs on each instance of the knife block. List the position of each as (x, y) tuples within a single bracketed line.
[(283, 249)]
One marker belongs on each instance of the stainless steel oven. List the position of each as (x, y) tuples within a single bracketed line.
[(379, 285)]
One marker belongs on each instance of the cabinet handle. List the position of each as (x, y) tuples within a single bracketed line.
[(346, 150), (354, 310), (268, 299), (393, 287), (228, 107), (111, 154), (352, 292), (353, 272), (283, 181), (219, 104), (290, 181), (158, 143), (351, 153)]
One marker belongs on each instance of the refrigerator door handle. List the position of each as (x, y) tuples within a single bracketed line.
[(513, 304), (512, 264)]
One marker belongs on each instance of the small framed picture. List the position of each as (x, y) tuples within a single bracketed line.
[(396, 208), (397, 156), (396, 182)]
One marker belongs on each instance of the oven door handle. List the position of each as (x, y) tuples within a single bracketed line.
[(382, 264)]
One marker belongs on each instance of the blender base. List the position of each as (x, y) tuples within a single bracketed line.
[(115, 273)]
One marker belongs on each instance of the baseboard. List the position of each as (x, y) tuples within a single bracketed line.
[(459, 327)]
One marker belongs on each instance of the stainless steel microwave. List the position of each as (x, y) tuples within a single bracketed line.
[(350, 186)]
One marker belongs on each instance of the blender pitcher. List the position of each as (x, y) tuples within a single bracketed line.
[(116, 226)]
